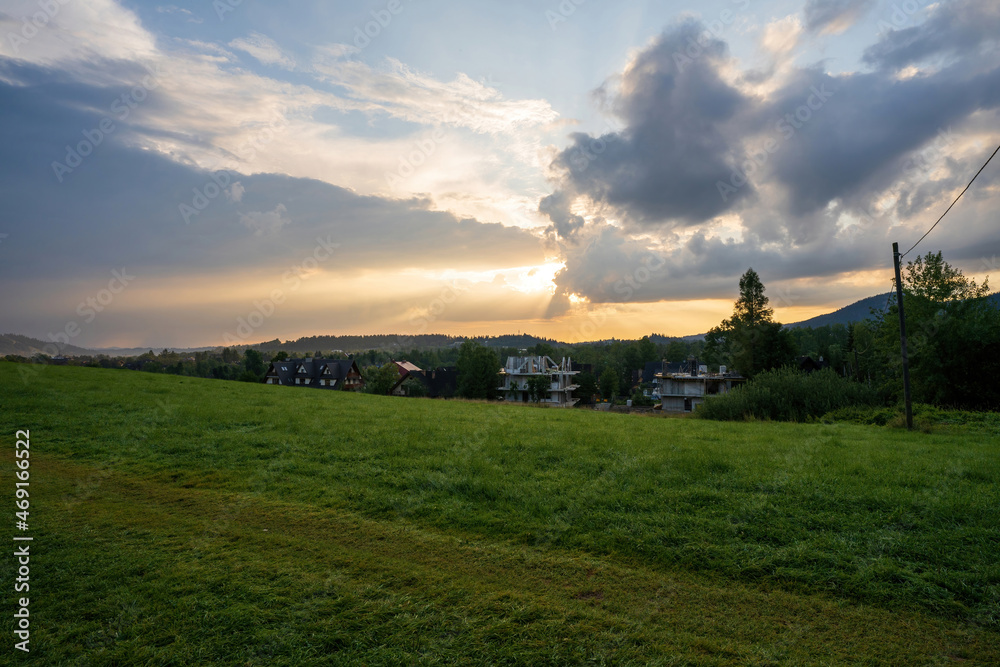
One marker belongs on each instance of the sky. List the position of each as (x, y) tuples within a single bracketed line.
[(234, 171)]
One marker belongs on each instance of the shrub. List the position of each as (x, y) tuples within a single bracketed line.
[(640, 400), (787, 394), (866, 415), (924, 417)]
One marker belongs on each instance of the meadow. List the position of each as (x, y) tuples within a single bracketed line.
[(188, 521)]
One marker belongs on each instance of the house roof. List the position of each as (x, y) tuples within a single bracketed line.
[(651, 369), (328, 369), (339, 368), (439, 383), (408, 367), (284, 370), (808, 364)]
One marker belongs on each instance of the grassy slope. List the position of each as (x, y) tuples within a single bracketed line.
[(181, 520)]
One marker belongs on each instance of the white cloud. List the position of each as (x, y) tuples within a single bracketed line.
[(781, 36), (235, 192), (264, 49), (186, 13), (77, 36), (337, 51), (404, 93), (270, 222)]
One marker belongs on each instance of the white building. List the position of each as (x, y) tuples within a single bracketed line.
[(685, 391), (559, 388)]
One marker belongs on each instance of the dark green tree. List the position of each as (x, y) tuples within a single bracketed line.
[(588, 387), (542, 350), (281, 355), (677, 350), (750, 341), (381, 379), (253, 362), (478, 369), (414, 388), (953, 333), (538, 388), (751, 308), (608, 384)]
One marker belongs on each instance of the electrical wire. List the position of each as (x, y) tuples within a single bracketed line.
[(952, 204), (888, 297)]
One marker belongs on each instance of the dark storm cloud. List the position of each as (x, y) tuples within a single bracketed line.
[(959, 28), (835, 15), (607, 267), (837, 144), (556, 206), (676, 144), (681, 158), (859, 141), (123, 206)]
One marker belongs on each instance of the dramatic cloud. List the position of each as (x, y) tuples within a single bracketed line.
[(800, 174), (678, 142), (609, 266), (210, 158), (955, 29), (164, 221)]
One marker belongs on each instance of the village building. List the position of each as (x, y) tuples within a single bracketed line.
[(559, 387), (807, 364), (435, 383), (683, 386), (405, 370), (320, 373)]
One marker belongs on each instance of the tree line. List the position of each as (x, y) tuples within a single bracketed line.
[(954, 346)]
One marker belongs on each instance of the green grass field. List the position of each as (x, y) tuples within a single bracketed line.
[(187, 521)]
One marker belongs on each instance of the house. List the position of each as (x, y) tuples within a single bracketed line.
[(405, 370), (683, 386), (650, 375), (808, 364), (319, 373), (438, 382), (515, 374), (646, 378)]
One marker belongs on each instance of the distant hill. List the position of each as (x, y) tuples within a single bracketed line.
[(660, 339), (386, 342), (857, 311), (26, 346), (136, 351), (516, 340), (860, 310)]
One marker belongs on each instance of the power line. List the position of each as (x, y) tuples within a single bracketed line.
[(888, 297), (952, 204)]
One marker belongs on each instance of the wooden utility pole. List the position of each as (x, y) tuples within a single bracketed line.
[(902, 338)]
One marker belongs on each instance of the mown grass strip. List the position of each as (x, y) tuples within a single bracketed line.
[(136, 571)]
